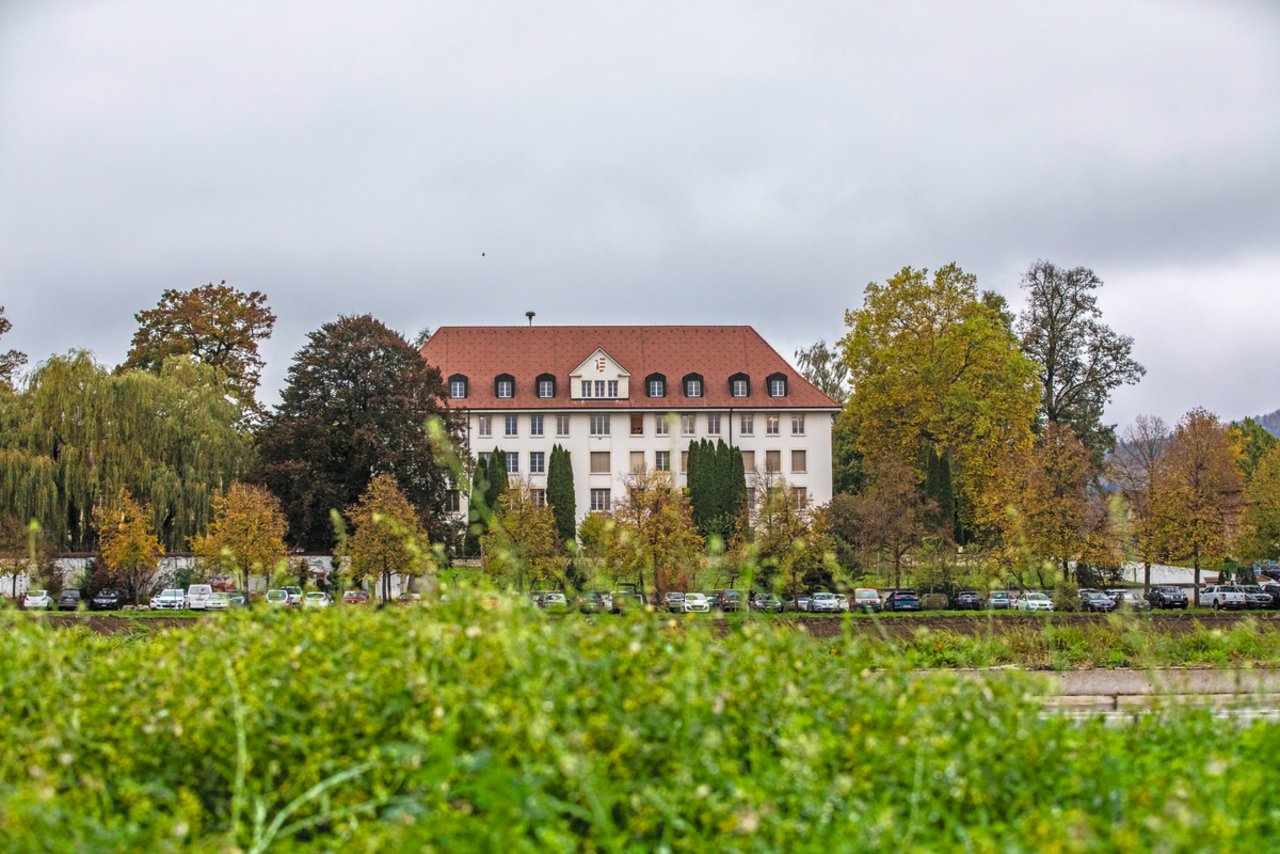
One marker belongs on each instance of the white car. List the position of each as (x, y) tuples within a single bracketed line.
[(39, 600), (169, 599), (218, 601), (316, 599), (198, 597), (1033, 602), (828, 603), (1218, 596), (278, 597), (696, 603)]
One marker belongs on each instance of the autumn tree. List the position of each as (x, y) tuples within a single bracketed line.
[(246, 534), (1133, 468), (127, 544), (790, 548), (11, 361), (934, 366), (656, 537), (1079, 359), (356, 405), (77, 434), (217, 325), (388, 538), (1195, 494), (1262, 508), (521, 544), (1250, 441), (892, 515), (824, 367)]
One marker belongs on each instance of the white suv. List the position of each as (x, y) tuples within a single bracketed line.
[(170, 599), (198, 596), (1223, 596)]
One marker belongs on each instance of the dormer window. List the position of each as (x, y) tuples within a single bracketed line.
[(693, 385), (458, 387), (777, 385), (655, 385), (504, 386), (546, 384), (740, 385)]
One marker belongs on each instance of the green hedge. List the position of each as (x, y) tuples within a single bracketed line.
[(478, 728)]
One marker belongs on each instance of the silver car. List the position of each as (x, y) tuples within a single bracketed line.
[(828, 603), (696, 603), (169, 599)]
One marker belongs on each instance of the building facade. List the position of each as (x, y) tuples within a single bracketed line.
[(626, 399)]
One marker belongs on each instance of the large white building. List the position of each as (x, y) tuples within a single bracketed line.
[(622, 399)]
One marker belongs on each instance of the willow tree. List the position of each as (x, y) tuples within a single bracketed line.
[(77, 434)]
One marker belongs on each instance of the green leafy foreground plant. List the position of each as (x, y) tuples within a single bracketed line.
[(465, 726)]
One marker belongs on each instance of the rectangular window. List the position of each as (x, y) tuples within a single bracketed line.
[(562, 425), (613, 388), (513, 462), (800, 496), (452, 501), (748, 461), (747, 425), (687, 425), (510, 425), (739, 388), (600, 500), (537, 462), (506, 388), (657, 388), (539, 497), (798, 461), (486, 425), (457, 389), (535, 425), (660, 424), (637, 462), (637, 425), (599, 388), (546, 388), (599, 425), (600, 462), (586, 388), (797, 424), (773, 461), (662, 460), (713, 425), (684, 462), (693, 388), (771, 425), (778, 388)]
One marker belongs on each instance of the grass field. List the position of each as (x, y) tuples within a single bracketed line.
[(477, 728)]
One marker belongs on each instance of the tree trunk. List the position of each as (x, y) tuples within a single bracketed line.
[(1146, 577), (1197, 590)]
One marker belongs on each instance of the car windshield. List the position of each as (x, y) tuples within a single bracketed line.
[(276, 594), (315, 595), (1037, 597)]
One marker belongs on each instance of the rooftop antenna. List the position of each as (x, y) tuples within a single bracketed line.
[(530, 315)]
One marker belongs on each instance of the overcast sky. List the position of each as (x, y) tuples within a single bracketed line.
[(647, 163)]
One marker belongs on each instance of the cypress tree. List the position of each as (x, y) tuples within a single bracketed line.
[(737, 489), (478, 509), (497, 479), (560, 493)]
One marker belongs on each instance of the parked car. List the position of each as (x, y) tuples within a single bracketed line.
[(1000, 600), (107, 599), (1272, 590), (317, 599), (1034, 602), (673, 601), (554, 601), (1096, 600), (1167, 596), (198, 597), (799, 602), (218, 600), (967, 600), (696, 603), (38, 600), (593, 603), (406, 598), (295, 595), (1130, 601), (727, 600), (169, 599), (278, 598), (1218, 596), (237, 599), (823, 602), (770, 602), (865, 599), (901, 600), (355, 597), (625, 601), (70, 600), (1255, 597)]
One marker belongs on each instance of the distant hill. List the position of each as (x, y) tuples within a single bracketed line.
[(1271, 421)]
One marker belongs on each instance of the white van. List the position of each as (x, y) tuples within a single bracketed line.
[(198, 596)]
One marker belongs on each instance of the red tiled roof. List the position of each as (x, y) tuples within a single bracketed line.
[(481, 353)]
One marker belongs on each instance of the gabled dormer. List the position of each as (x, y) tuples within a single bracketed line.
[(601, 377)]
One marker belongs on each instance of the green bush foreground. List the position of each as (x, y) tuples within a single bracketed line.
[(474, 728)]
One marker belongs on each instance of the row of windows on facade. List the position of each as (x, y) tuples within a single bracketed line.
[(602, 461), (602, 499), (655, 385), (602, 425)]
